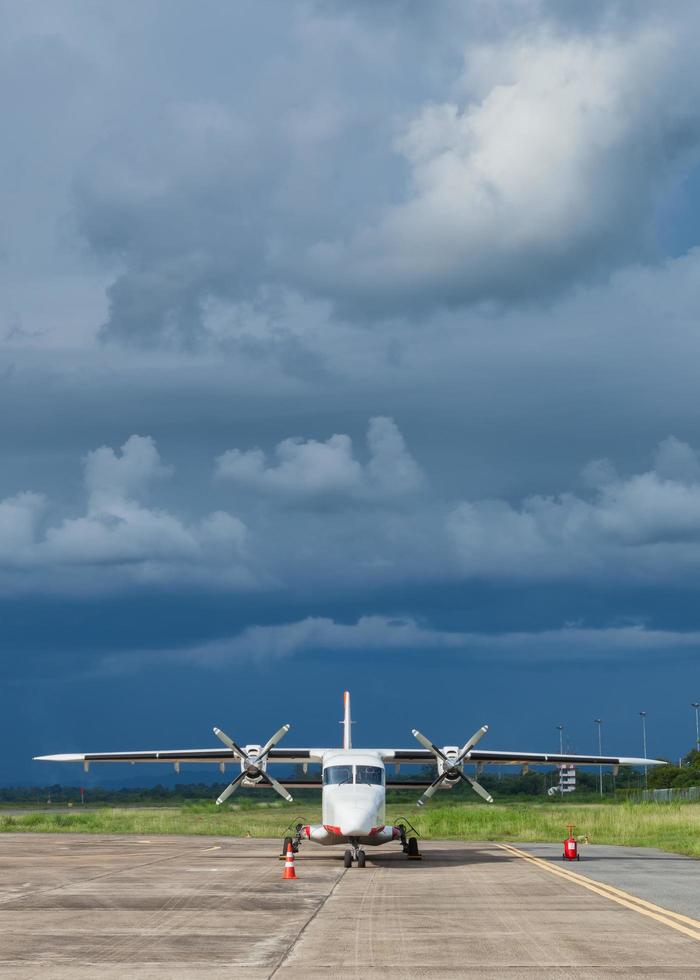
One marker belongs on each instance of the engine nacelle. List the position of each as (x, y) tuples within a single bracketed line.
[(451, 752), (251, 767)]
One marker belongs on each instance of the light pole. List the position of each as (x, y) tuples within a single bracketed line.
[(561, 737), (599, 722), (643, 716), (696, 705)]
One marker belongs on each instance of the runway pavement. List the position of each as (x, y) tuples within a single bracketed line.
[(84, 906)]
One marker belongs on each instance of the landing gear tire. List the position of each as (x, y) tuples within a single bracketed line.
[(347, 859), (361, 858), (412, 848), (285, 843)]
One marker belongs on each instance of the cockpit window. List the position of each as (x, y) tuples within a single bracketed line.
[(337, 774), (369, 774)]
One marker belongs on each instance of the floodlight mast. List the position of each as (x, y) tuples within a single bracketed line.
[(599, 723)]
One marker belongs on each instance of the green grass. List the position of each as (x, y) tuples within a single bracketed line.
[(669, 826)]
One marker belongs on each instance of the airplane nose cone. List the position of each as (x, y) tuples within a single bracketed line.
[(356, 824)]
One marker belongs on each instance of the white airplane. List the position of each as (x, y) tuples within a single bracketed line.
[(353, 780)]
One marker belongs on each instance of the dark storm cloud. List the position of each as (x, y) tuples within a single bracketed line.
[(532, 158)]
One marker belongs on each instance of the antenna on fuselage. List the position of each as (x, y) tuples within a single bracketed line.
[(347, 721)]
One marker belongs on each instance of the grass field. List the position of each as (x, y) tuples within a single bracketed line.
[(670, 826)]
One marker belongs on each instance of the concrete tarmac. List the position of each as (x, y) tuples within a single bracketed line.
[(669, 880), (87, 906)]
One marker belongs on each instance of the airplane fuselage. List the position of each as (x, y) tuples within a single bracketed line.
[(353, 800)]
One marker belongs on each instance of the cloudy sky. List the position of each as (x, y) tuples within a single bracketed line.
[(348, 344)]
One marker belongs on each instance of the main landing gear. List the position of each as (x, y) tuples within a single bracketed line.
[(411, 849), (294, 841), (356, 854), (410, 844)]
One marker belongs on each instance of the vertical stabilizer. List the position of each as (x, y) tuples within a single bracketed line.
[(347, 721)]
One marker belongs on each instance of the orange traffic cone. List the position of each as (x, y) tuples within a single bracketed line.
[(289, 864)]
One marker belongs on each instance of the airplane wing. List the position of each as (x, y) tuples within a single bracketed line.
[(217, 756), (292, 756), (423, 757)]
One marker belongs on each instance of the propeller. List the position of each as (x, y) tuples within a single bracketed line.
[(451, 767), (253, 766)]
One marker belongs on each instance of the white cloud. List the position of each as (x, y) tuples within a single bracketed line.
[(381, 633), (645, 526), (119, 540), (305, 469), (545, 169), (19, 519), (110, 476), (639, 528)]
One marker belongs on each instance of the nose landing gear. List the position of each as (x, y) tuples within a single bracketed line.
[(356, 854)]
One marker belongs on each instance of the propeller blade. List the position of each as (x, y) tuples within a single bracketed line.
[(476, 737), (229, 741), (427, 744), (278, 787), (231, 788), (430, 790), (478, 788), (270, 744)]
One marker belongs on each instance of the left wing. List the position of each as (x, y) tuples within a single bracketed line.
[(423, 757)]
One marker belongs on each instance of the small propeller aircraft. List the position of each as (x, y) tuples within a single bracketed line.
[(353, 780)]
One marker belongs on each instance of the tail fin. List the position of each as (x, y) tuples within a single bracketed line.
[(347, 722)]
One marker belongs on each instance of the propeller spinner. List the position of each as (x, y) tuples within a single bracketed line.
[(450, 769), (253, 767)]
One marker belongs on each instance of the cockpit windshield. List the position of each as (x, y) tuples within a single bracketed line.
[(337, 774), (368, 775)]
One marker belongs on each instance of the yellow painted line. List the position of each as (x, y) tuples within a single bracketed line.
[(217, 847), (567, 872), (672, 919)]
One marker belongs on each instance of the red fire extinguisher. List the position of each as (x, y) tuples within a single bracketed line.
[(570, 847)]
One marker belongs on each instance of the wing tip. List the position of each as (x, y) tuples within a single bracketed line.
[(61, 757), (642, 762)]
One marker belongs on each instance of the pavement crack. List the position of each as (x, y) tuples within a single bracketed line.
[(292, 946)]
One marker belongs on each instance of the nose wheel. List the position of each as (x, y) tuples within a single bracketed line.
[(357, 855)]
